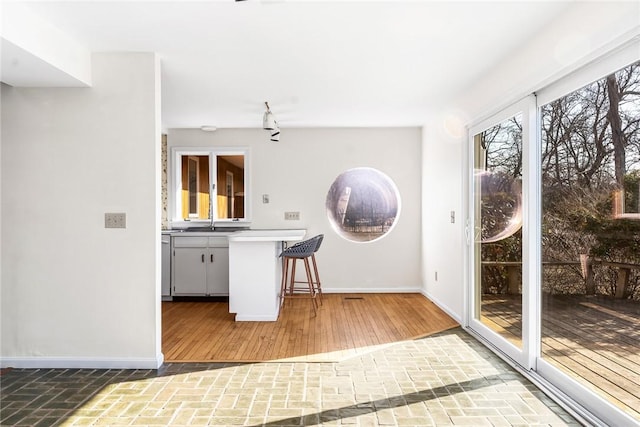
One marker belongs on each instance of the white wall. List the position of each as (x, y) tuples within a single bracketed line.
[(74, 293), (297, 172), (442, 239)]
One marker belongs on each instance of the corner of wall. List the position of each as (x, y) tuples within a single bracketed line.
[(442, 215)]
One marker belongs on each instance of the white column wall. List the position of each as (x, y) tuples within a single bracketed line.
[(297, 172), (74, 293), (443, 193)]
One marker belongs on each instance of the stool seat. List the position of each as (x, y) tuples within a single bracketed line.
[(301, 251)]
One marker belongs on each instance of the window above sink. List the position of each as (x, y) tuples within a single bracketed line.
[(209, 184)]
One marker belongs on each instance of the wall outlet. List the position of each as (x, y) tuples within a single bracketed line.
[(265, 198), (294, 216), (115, 220)]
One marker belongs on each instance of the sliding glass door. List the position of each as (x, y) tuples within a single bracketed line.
[(590, 289), (554, 227), (498, 202)]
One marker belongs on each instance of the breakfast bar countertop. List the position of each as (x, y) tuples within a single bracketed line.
[(267, 235)]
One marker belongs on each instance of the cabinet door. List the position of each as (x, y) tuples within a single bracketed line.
[(166, 266), (218, 271), (189, 271)]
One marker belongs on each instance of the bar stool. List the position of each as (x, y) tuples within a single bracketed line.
[(301, 250), (317, 285)]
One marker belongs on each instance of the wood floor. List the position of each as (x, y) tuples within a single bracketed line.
[(346, 325), (594, 339)]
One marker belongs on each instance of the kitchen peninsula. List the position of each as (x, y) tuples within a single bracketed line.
[(255, 271), (251, 266)]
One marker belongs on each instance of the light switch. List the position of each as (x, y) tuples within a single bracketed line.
[(115, 220), (265, 198)]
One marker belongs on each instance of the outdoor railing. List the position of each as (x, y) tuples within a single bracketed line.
[(586, 263), (622, 282)]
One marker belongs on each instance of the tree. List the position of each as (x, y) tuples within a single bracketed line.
[(590, 149)]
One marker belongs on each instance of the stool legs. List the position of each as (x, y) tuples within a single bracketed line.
[(312, 291), (283, 283), (317, 285), (289, 280)]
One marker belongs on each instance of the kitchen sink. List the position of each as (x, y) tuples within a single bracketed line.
[(208, 229)]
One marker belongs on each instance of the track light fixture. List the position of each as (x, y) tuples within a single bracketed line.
[(269, 123), (268, 120)]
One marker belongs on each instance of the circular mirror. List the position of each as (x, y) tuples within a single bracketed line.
[(363, 204)]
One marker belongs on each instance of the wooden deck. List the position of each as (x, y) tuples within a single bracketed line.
[(594, 339), (346, 325)]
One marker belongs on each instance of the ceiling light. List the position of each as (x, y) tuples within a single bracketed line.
[(269, 123), (275, 135), (208, 128), (268, 120)]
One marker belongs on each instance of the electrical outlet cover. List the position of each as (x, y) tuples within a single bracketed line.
[(115, 220), (295, 216)]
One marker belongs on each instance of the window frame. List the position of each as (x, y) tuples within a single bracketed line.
[(195, 159), (526, 355), (175, 177), (229, 190)]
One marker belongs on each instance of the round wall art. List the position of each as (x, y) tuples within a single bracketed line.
[(363, 204)]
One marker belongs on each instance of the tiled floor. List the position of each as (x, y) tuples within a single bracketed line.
[(446, 379)]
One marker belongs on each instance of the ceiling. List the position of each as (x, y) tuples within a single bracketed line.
[(357, 63)]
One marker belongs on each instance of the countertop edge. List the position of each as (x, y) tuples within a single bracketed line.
[(267, 235)]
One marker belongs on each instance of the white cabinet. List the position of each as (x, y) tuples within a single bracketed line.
[(166, 266), (200, 266)]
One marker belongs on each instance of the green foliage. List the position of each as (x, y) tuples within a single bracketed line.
[(632, 192), (615, 239)]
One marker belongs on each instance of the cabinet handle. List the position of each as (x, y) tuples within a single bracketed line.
[(202, 257), (211, 257)]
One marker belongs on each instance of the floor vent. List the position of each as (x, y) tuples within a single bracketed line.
[(353, 297)]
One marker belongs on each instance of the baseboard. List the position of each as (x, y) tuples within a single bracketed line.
[(442, 306), (256, 318), (415, 290), (81, 362)]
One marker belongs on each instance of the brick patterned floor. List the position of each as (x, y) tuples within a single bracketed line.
[(443, 380)]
